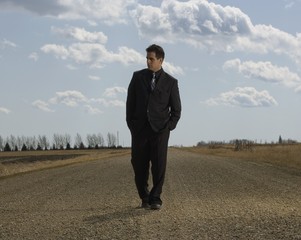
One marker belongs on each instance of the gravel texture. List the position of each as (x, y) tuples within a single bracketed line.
[(204, 197)]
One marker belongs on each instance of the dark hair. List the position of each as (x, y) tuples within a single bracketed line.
[(156, 49)]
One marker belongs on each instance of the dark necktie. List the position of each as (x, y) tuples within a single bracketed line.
[(153, 83)]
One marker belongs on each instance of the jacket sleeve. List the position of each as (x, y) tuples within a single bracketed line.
[(131, 103), (175, 106)]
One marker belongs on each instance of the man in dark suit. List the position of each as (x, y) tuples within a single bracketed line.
[(153, 109)]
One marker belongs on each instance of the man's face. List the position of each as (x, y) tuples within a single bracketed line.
[(153, 63)]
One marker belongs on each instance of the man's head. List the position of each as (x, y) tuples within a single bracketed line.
[(154, 56)]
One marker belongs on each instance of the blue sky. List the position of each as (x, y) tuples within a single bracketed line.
[(65, 66)]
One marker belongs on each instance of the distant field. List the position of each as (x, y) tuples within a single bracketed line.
[(20, 162), (277, 154)]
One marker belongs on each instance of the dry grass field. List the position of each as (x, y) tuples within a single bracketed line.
[(19, 162), (283, 155)]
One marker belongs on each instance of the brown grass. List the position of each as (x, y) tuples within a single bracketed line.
[(280, 155), (35, 160)]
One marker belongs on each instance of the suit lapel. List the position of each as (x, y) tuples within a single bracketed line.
[(146, 81)]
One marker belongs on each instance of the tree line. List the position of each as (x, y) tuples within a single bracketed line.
[(240, 144), (58, 142)]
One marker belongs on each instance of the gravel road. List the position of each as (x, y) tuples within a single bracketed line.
[(204, 197)]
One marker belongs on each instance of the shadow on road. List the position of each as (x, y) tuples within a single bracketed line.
[(128, 212)]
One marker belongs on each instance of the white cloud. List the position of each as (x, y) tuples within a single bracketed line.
[(112, 92), (151, 21), (59, 51), (127, 55), (70, 98), (42, 7), (108, 103), (265, 39), (92, 23), (298, 89), (265, 71), (116, 103), (44, 106), (76, 99), (243, 97), (34, 56), (114, 11), (172, 69), (88, 53), (4, 43), (81, 34), (289, 5), (91, 50), (192, 19), (4, 110), (71, 67), (92, 110), (94, 78), (97, 56), (210, 26), (200, 23), (109, 12), (93, 54)]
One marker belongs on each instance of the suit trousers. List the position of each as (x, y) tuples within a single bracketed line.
[(149, 149)]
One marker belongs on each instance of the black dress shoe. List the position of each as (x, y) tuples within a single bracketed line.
[(145, 205), (155, 206)]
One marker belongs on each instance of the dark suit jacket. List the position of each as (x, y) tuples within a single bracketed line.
[(161, 107)]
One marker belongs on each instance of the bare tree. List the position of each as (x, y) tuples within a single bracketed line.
[(100, 140), (66, 140), (19, 142), (27, 142), (43, 142), (61, 141), (95, 141), (24, 148), (56, 141), (90, 141), (31, 143), (1, 143), (23, 141), (78, 140), (12, 141), (111, 140)]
